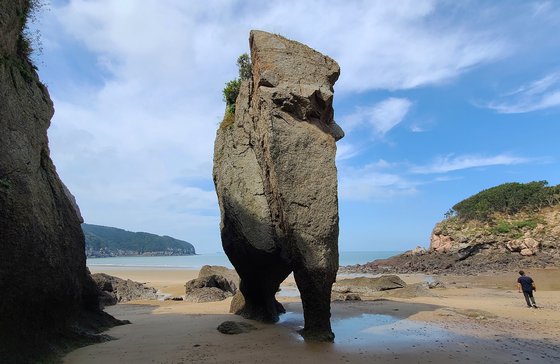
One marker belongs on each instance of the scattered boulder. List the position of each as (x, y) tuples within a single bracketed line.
[(416, 251), (237, 303), (526, 252), (526, 247), (229, 274), (214, 280), (367, 285), (235, 327), (275, 177), (122, 290), (206, 294), (410, 291), (208, 289), (435, 284)]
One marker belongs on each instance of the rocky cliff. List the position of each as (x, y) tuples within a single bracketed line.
[(503, 242), (47, 294), (275, 176)]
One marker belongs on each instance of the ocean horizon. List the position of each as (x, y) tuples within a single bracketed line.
[(219, 258)]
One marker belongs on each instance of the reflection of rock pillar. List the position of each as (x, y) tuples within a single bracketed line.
[(275, 176)]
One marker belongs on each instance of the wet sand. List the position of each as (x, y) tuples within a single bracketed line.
[(473, 320)]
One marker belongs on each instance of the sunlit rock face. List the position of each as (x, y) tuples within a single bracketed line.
[(47, 293), (275, 176)]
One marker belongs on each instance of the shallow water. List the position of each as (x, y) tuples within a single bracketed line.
[(373, 331), (197, 261)]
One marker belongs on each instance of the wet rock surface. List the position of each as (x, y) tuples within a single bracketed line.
[(275, 177)]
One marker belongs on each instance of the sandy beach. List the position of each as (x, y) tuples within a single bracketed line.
[(474, 319)]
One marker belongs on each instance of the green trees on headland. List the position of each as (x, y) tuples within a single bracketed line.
[(507, 198), (103, 241)]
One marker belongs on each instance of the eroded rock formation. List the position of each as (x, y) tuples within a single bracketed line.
[(514, 242), (47, 293), (275, 176)]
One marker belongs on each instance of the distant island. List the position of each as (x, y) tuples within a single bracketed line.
[(105, 241)]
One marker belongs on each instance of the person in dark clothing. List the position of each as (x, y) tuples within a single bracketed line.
[(526, 285)]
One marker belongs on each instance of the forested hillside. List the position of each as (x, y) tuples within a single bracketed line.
[(104, 241)]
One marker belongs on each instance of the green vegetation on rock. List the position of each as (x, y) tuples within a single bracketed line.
[(231, 91), (104, 241), (507, 198)]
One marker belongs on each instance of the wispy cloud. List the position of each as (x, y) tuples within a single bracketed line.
[(454, 163), (541, 94), (138, 89), (374, 186), (345, 150), (374, 181), (382, 117)]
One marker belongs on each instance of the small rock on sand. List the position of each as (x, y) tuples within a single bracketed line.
[(235, 327)]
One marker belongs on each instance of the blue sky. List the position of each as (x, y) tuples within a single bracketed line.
[(439, 100)]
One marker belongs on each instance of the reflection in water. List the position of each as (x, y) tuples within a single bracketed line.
[(372, 330)]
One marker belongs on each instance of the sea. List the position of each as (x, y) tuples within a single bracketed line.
[(197, 261)]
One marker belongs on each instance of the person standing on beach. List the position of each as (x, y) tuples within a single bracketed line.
[(526, 285)]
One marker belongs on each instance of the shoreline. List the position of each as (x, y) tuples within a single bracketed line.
[(474, 319)]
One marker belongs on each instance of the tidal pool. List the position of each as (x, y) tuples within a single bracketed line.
[(375, 330)]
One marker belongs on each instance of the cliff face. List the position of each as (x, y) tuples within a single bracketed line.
[(523, 234), (505, 242), (275, 176), (46, 289)]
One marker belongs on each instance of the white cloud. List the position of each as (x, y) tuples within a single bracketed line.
[(346, 151), (386, 45), (417, 129), (453, 163), (374, 186), (382, 117), (142, 132), (541, 94), (373, 182)]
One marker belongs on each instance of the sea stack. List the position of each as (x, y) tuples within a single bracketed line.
[(275, 177), (48, 295)]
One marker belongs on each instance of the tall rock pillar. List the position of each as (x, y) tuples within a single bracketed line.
[(275, 176)]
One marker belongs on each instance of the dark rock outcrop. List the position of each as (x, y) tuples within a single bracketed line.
[(275, 177), (507, 242), (208, 289), (48, 297), (118, 290)]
